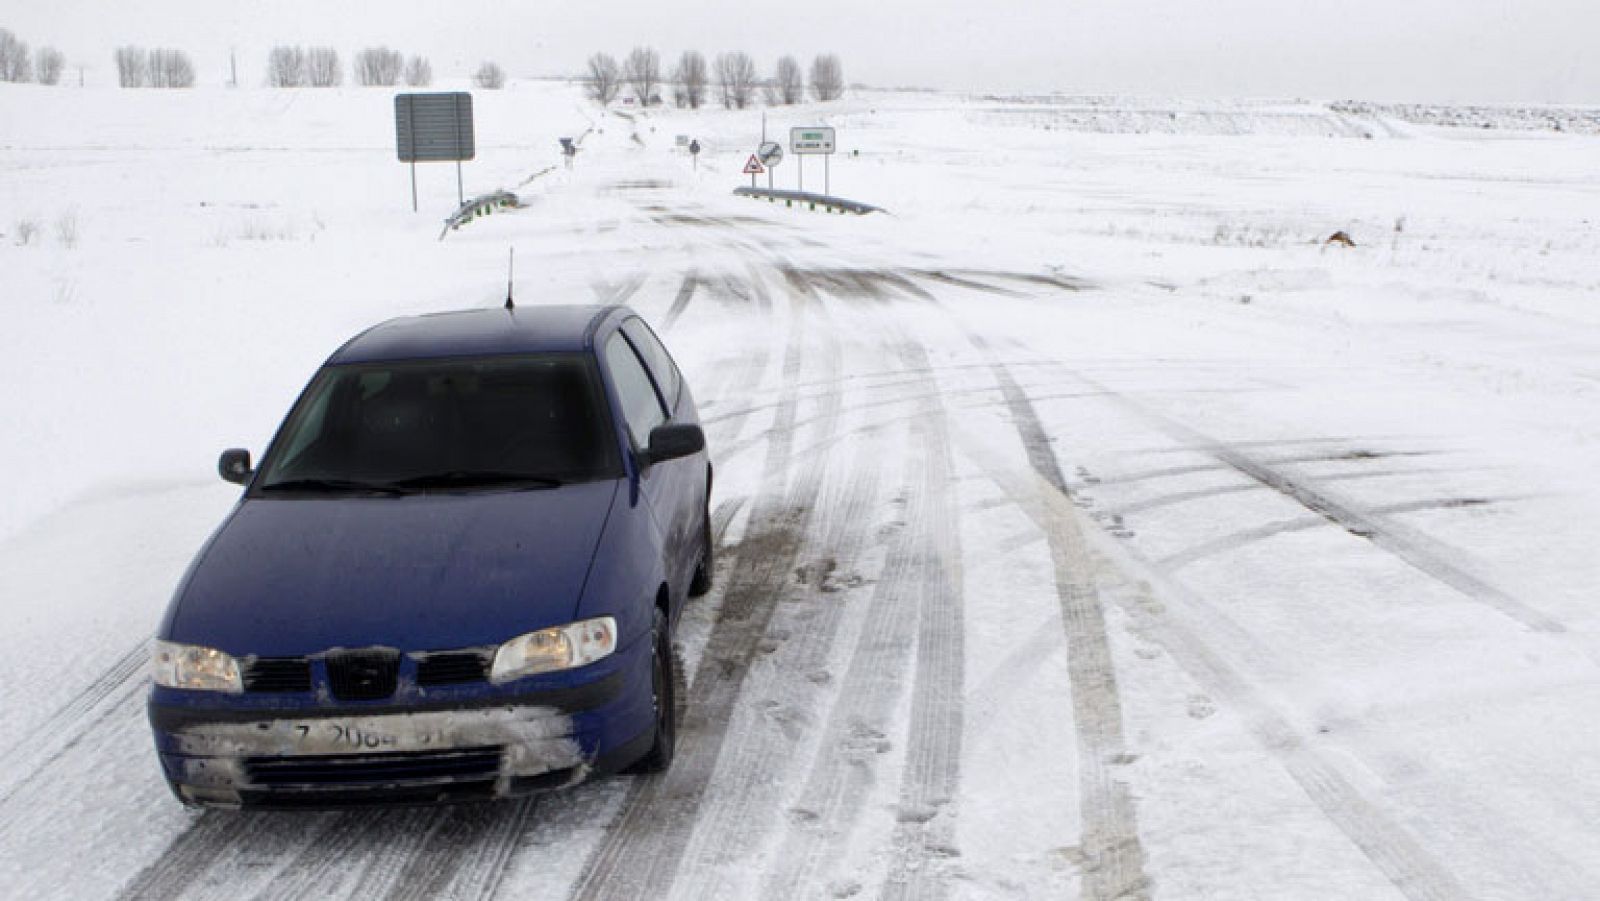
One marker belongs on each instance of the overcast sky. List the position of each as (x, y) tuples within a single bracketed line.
[(1430, 50)]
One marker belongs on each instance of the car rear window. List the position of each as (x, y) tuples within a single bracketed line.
[(540, 416)]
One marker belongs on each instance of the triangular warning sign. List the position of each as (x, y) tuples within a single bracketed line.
[(754, 167)]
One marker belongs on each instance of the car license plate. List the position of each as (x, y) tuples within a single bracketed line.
[(334, 736)]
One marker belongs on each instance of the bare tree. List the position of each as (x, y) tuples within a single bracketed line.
[(322, 67), (489, 77), (286, 67), (827, 77), (15, 64), (48, 64), (133, 66), (605, 78), (379, 67), (170, 69), (736, 79), (642, 71), (419, 72), (791, 87), (690, 77)]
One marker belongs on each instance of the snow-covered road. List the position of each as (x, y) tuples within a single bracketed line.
[(1087, 529)]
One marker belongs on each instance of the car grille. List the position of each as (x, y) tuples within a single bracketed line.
[(453, 667), (365, 675), (414, 769), (278, 674)]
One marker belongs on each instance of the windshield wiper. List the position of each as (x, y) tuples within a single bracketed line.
[(476, 478), (334, 486)]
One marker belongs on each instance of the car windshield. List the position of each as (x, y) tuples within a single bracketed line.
[(490, 422)]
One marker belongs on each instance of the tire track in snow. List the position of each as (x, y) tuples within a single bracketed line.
[(1416, 549), (643, 846), (466, 855), (828, 806), (738, 815), (1391, 848), (1115, 867), (63, 730), (681, 302), (1384, 841), (834, 794), (367, 847), (210, 836), (925, 830)]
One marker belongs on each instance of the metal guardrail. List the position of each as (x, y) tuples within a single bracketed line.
[(828, 202), (482, 205)]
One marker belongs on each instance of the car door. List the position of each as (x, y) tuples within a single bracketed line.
[(642, 410), (680, 497)]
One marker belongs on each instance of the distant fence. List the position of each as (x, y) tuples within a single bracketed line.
[(828, 203)]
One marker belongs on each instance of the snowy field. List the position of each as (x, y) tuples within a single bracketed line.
[(1088, 527)]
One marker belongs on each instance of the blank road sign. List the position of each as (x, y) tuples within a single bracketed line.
[(434, 127)]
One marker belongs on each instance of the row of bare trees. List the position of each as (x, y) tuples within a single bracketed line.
[(17, 63), (159, 68), (733, 75), (318, 67)]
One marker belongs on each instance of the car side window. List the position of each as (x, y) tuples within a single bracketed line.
[(656, 357), (641, 407)]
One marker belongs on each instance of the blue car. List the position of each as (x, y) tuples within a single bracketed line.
[(455, 574)]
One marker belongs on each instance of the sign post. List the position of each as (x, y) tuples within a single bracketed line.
[(694, 153), (434, 127), (814, 141)]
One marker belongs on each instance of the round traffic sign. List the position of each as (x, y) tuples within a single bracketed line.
[(770, 154)]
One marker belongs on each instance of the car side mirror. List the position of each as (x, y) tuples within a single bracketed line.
[(234, 466), (673, 441)]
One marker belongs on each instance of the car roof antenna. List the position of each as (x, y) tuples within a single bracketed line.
[(511, 267)]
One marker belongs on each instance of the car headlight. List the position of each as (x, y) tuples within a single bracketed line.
[(548, 650), (196, 668)]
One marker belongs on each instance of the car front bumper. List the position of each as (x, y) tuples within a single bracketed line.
[(342, 757)]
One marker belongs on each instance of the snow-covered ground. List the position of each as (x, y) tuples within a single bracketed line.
[(1094, 529)]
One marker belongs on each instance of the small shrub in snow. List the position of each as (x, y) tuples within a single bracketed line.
[(419, 72), (67, 229), (27, 230), (489, 77)]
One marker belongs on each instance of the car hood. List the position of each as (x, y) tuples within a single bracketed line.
[(286, 577)]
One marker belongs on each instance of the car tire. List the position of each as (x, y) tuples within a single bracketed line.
[(701, 582), (666, 698)]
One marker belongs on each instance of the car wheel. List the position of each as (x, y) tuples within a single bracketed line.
[(665, 698), (701, 583)]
